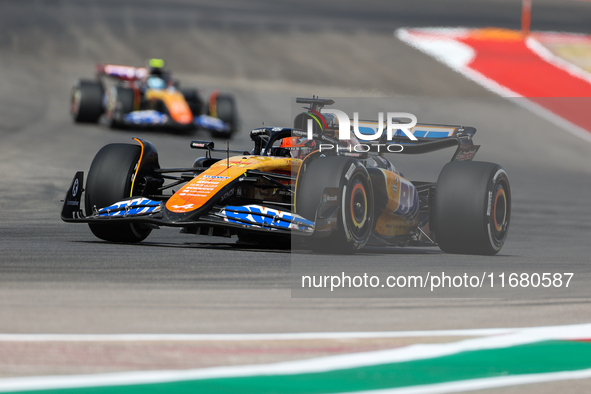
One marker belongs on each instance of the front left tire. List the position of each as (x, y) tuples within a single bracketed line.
[(110, 180)]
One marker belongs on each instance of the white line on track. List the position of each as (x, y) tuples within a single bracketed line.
[(250, 337), (322, 364)]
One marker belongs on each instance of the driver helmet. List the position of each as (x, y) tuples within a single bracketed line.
[(155, 66), (299, 147)]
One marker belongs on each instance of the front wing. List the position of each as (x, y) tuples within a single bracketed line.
[(152, 118), (250, 217)]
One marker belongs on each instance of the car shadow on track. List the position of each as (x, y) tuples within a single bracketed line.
[(238, 247), (194, 245)]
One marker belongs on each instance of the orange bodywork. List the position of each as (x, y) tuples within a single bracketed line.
[(175, 103), (204, 186)]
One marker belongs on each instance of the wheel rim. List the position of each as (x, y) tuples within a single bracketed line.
[(358, 205), (500, 211), (357, 211)]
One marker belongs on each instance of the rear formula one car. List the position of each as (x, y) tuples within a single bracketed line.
[(125, 96), (287, 187)]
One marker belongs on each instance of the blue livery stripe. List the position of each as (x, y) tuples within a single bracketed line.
[(437, 134), (367, 130), (259, 216)]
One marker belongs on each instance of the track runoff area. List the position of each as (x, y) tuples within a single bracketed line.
[(550, 71), (553, 73)]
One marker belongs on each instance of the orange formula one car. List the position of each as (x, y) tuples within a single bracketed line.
[(288, 187), (125, 96)]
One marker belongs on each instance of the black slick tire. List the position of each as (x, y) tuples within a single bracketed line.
[(355, 216), (472, 208), (86, 101), (110, 180), (226, 111)]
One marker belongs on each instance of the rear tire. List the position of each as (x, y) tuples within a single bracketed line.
[(121, 102), (356, 210), (86, 101), (227, 112), (472, 208), (110, 180)]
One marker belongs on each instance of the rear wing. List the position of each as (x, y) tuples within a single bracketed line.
[(430, 137), (125, 73)]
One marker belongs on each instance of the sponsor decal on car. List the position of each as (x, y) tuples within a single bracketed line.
[(227, 195), (215, 177), (183, 207), (75, 187), (350, 171), (465, 153)]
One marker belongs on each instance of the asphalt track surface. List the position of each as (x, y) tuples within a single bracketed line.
[(57, 278)]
